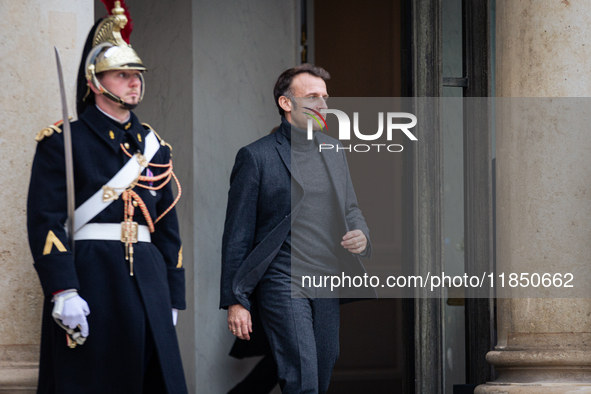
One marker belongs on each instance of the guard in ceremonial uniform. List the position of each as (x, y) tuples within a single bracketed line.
[(111, 303)]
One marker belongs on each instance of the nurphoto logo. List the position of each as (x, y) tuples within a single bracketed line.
[(392, 124)]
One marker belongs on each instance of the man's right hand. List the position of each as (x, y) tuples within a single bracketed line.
[(239, 321)]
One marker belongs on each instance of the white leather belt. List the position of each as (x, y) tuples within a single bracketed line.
[(109, 232)]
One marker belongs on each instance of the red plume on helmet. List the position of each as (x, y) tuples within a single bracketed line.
[(126, 32)]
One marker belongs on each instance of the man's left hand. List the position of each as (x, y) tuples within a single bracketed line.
[(354, 241)]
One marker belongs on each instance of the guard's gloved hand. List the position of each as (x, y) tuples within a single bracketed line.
[(69, 312), (175, 315)]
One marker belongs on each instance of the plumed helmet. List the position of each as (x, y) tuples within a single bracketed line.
[(106, 50)]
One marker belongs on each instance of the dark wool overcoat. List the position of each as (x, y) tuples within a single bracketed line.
[(264, 198), (123, 308)]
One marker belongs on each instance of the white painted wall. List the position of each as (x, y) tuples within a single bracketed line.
[(239, 50)]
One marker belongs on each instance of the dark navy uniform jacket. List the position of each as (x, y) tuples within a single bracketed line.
[(123, 308)]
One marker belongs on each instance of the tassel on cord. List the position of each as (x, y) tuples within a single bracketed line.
[(126, 32)]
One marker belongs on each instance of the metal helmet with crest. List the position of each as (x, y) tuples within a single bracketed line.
[(106, 50)]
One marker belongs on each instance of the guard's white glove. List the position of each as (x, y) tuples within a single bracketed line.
[(70, 311), (175, 315)]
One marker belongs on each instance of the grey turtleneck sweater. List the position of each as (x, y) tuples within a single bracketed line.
[(316, 231)]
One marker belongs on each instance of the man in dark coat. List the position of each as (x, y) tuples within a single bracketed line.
[(122, 293), (292, 211)]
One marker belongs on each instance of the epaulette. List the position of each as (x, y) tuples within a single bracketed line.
[(162, 142), (48, 131)]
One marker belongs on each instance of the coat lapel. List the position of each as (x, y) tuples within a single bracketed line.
[(284, 149)]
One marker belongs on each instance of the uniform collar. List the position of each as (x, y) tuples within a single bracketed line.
[(114, 118), (112, 132)]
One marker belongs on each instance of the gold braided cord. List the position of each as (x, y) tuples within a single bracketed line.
[(165, 177), (178, 196), (129, 195)]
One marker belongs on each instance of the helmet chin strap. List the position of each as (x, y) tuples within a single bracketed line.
[(105, 92), (128, 106)]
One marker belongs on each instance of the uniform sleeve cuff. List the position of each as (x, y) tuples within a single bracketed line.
[(176, 284), (57, 272)]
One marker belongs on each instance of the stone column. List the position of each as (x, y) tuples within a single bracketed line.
[(29, 101), (543, 205)]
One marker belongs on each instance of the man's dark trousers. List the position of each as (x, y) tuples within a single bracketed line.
[(303, 332)]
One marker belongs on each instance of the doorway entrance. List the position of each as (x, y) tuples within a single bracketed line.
[(394, 48), (360, 44)]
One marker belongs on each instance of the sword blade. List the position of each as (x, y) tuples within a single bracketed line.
[(68, 153)]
